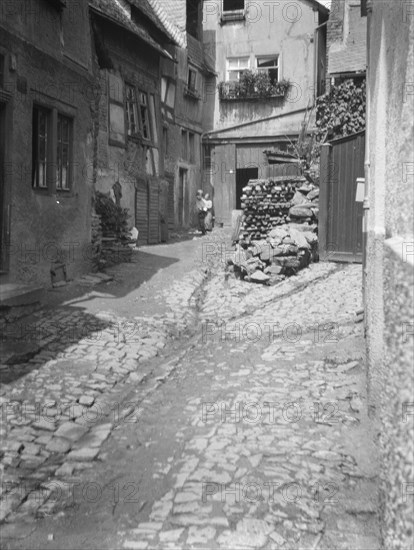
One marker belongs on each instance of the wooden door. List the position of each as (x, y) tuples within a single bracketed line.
[(340, 216), (224, 182)]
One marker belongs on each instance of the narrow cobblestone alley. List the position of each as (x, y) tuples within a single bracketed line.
[(223, 415)]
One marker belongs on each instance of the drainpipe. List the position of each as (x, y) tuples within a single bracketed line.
[(367, 165)]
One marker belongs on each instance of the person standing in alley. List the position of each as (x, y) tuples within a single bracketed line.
[(201, 211), (208, 222)]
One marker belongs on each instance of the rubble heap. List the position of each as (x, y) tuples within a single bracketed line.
[(278, 232)]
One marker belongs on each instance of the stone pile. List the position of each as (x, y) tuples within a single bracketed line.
[(115, 250), (278, 235)]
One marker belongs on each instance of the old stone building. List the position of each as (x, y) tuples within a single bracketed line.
[(282, 46), (128, 45), (185, 113), (346, 39), (46, 139)]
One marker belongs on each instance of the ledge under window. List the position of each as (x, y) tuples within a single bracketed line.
[(234, 15), (190, 92)]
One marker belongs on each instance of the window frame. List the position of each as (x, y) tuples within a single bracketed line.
[(268, 69), (147, 122), (192, 147), (36, 161), (184, 144), (52, 145), (134, 104), (69, 178), (238, 70), (193, 90)]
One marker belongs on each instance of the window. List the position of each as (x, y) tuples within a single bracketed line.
[(117, 110), (131, 109), (192, 80), (40, 143), (269, 65), (144, 115), (167, 97), (191, 141), (52, 139), (235, 66), (184, 146), (154, 128), (233, 5), (168, 92), (207, 158), (165, 140), (64, 142)]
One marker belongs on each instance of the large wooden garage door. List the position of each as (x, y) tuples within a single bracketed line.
[(154, 212), (141, 210)]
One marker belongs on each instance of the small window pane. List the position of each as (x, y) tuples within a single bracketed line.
[(143, 109), (132, 110), (40, 141), (63, 153)]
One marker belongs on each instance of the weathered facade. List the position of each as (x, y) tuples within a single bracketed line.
[(184, 91), (285, 41), (128, 42), (46, 139), (389, 257), (346, 39)]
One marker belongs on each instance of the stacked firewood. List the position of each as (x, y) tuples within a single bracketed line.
[(266, 204), (278, 233)]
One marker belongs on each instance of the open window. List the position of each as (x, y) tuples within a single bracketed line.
[(269, 65), (193, 79)]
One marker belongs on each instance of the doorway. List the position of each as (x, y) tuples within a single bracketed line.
[(182, 186), (243, 175)]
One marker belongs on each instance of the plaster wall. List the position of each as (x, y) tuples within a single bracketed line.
[(283, 28), (389, 299), (47, 63)]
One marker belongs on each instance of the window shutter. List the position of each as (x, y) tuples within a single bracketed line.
[(117, 129)]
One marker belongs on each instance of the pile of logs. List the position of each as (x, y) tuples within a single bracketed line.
[(278, 232), (266, 204)]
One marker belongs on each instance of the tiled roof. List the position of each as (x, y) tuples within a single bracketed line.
[(172, 15), (113, 10), (349, 55)]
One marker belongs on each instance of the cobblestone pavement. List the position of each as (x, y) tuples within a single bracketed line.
[(256, 436), (59, 406)]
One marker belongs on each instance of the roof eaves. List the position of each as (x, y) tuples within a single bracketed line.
[(128, 25), (179, 37)]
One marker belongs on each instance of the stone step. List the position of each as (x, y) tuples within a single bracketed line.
[(14, 295)]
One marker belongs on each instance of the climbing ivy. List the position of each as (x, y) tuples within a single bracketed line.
[(341, 112), (114, 219)]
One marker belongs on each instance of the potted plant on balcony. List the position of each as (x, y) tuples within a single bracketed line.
[(253, 85)]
